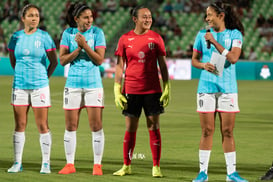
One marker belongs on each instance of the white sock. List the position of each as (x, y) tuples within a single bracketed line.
[(204, 156), (230, 162), (70, 140), (98, 145), (18, 144), (45, 143)]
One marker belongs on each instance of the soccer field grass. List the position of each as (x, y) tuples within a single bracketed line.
[(180, 130)]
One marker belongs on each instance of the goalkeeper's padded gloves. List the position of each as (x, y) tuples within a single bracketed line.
[(120, 100), (165, 97)]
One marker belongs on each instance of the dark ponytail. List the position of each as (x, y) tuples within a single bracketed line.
[(75, 10), (232, 21)]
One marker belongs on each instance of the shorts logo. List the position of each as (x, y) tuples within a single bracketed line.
[(14, 97), (66, 91), (201, 103), (42, 97)]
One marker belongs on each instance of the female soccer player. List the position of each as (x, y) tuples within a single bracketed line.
[(217, 92), (28, 50), (140, 50), (83, 46)]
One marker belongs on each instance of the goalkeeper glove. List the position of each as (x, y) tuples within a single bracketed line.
[(120, 100), (165, 97)]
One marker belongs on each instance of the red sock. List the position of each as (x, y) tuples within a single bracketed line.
[(155, 144), (128, 146)]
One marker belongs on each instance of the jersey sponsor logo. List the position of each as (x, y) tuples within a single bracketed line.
[(151, 38), (141, 55), (151, 45), (26, 52), (130, 39), (37, 43), (130, 46)]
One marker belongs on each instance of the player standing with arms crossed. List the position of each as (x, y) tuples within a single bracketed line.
[(83, 46), (139, 51), (218, 94), (28, 50)]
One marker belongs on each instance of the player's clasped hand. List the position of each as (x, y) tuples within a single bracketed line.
[(209, 67), (80, 39), (120, 100), (165, 97)]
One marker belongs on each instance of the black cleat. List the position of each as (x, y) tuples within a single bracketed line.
[(268, 175)]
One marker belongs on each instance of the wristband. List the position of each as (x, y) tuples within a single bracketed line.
[(225, 52)]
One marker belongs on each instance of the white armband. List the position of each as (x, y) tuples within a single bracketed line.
[(225, 52)]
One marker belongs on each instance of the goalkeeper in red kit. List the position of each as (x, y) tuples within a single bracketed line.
[(139, 52)]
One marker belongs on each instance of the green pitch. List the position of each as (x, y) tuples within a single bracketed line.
[(180, 131)]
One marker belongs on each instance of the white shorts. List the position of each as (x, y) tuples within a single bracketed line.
[(217, 102), (35, 97), (77, 98)]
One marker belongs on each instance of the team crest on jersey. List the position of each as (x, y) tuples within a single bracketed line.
[(37, 43), (227, 43), (151, 45)]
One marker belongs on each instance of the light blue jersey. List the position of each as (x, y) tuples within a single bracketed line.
[(83, 73), (30, 54), (210, 83)]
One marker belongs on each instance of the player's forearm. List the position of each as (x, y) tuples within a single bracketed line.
[(66, 58), (52, 56), (197, 64), (51, 67), (96, 57)]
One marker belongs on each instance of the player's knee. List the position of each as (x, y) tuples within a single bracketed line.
[(206, 132), (43, 128), (96, 126), (20, 126), (227, 132)]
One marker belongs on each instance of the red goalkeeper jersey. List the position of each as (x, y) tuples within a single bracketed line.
[(140, 53)]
